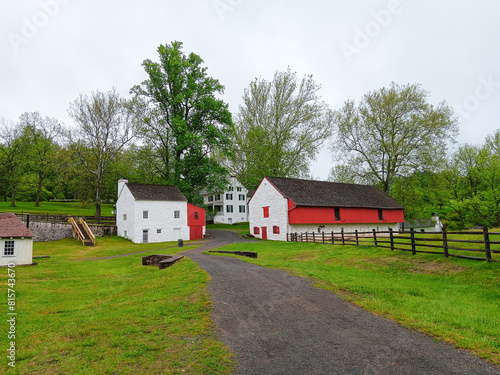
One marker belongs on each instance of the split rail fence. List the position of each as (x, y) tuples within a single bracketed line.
[(460, 244)]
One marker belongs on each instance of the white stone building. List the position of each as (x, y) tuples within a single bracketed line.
[(16, 241), (156, 213), (284, 205), (230, 206)]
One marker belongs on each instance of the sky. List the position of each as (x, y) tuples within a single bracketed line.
[(52, 51)]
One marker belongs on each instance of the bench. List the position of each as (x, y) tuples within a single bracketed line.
[(160, 260)]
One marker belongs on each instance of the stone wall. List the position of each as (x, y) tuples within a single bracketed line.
[(47, 231)]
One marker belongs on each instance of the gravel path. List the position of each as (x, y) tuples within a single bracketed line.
[(280, 324)]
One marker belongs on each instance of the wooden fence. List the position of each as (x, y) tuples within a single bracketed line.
[(444, 242)]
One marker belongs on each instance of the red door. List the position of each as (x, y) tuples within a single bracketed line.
[(196, 232), (264, 233)]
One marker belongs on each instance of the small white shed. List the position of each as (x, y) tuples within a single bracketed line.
[(16, 241)]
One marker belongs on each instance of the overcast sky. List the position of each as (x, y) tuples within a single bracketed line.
[(55, 50)]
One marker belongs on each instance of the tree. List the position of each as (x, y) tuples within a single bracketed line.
[(392, 132), (280, 127), (12, 157), (40, 135), (182, 122), (104, 128)]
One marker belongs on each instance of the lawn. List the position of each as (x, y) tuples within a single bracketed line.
[(57, 208), (454, 300), (112, 316), (240, 228)]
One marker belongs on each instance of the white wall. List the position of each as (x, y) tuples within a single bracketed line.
[(267, 195), (23, 251), (160, 217), (236, 216)]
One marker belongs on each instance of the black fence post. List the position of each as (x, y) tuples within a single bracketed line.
[(314, 237), (375, 237), (333, 239), (307, 239), (445, 242), (357, 239), (392, 238), (487, 248), (342, 234), (413, 247), (323, 235)]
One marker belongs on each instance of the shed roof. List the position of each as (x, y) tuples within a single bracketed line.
[(11, 226), (146, 192), (333, 194)]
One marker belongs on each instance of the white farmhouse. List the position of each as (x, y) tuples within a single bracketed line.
[(156, 213), (230, 206), (286, 205), (16, 241)]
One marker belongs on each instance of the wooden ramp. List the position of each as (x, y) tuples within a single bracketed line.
[(82, 231)]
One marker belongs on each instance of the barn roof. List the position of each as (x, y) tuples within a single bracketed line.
[(146, 192), (333, 194), (11, 226)]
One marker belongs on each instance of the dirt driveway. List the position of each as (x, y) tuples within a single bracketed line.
[(279, 324)]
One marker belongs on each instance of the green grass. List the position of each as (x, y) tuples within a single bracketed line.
[(455, 300), (240, 228), (113, 316), (57, 208)]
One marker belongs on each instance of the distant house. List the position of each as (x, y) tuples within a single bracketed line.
[(281, 205), (432, 224), (16, 241), (229, 206), (156, 213)]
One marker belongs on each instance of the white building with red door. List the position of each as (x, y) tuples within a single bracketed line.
[(284, 205), (156, 213)]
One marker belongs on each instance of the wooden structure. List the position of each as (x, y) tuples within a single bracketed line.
[(82, 231)]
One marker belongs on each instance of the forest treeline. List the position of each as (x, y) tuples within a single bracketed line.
[(174, 128)]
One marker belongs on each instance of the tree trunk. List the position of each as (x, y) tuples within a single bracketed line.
[(13, 197), (38, 191)]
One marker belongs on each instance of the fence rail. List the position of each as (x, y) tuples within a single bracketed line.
[(442, 242)]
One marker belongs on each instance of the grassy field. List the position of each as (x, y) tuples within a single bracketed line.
[(240, 228), (112, 316), (57, 208), (454, 300)]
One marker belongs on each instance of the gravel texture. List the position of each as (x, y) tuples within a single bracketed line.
[(276, 323)]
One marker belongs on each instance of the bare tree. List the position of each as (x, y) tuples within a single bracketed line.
[(104, 128)]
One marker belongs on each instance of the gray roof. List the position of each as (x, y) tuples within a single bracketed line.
[(333, 194), (145, 192)]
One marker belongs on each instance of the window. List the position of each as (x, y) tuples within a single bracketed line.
[(229, 208), (177, 214), (196, 215), (238, 188), (255, 230), (229, 196), (218, 208), (231, 188), (242, 197), (217, 197), (210, 198), (9, 248), (158, 231), (125, 233), (124, 217), (381, 215), (242, 208), (145, 214), (266, 211), (276, 229), (337, 214)]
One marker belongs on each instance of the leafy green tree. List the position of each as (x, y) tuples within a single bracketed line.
[(13, 159), (392, 132), (104, 127), (40, 136), (280, 127), (182, 121)]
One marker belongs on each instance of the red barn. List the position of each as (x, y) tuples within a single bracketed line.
[(285, 205)]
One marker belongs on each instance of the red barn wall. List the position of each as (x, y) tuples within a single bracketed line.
[(326, 215)]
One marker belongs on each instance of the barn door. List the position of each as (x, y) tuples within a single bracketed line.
[(264, 233), (145, 236)]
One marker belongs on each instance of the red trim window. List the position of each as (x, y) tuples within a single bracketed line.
[(256, 230), (276, 229), (266, 211)]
